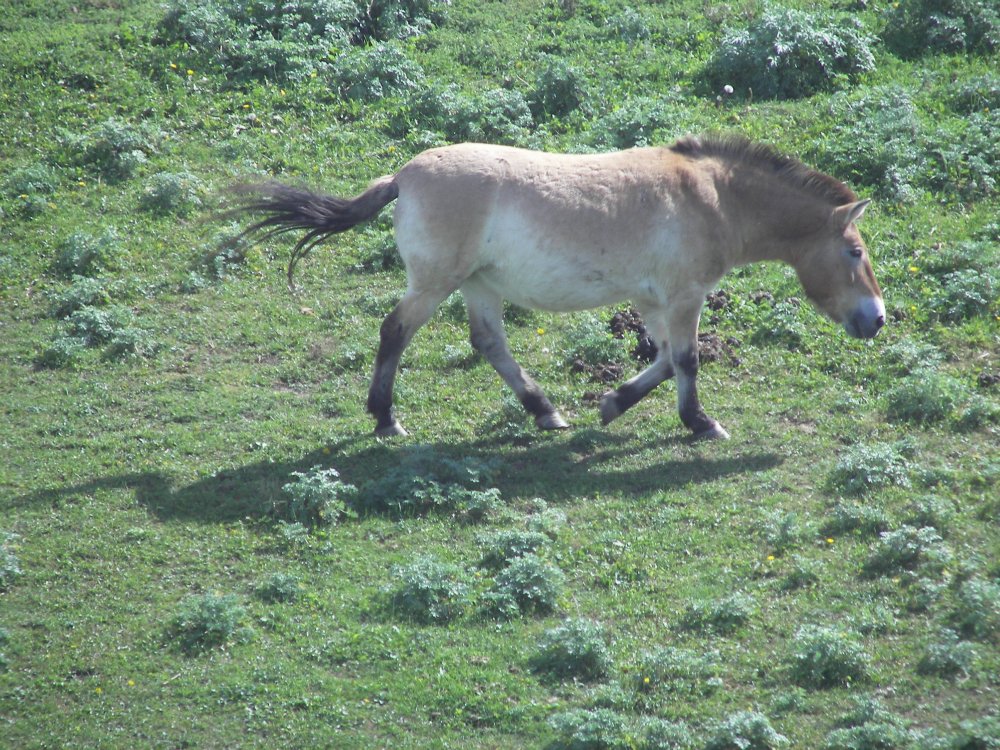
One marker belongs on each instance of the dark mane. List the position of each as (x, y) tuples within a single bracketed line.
[(766, 158)]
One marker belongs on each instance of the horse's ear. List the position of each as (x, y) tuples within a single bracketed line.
[(851, 213)]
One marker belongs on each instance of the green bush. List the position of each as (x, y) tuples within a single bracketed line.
[(280, 588), (825, 657), (925, 397), (559, 89), (746, 730), (677, 670), (500, 548), (780, 325), (376, 72), (207, 621), (316, 498), (31, 180), (908, 548), (788, 54), (862, 469), (865, 518), (721, 616), (83, 254), (10, 567), (981, 734), (803, 573), (115, 149), (907, 355), (869, 727), (62, 352), (977, 609), (429, 591), (83, 292), (172, 193), (98, 325), (588, 340), (966, 293), (529, 585), (920, 27), (576, 649), (948, 656), (597, 729), (659, 734)]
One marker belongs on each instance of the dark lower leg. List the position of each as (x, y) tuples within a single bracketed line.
[(688, 406)]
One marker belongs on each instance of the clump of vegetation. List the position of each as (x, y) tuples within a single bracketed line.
[(491, 116), (175, 193), (291, 41), (115, 148), (925, 397), (803, 573), (981, 733), (746, 730), (316, 498), (865, 468), (83, 254), (576, 649), (10, 566), (908, 548), (500, 548), (722, 616), (678, 670), (529, 585), (587, 341), (30, 188), (207, 621), (908, 355), (869, 726), (788, 54), (281, 588), (559, 89), (659, 734), (597, 729), (825, 657), (865, 518), (377, 72), (948, 656), (977, 609), (966, 293), (430, 592), (83, 292), (783, 531), (924, 27), (780, 325)]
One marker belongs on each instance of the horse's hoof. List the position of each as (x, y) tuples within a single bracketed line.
[(714, 432), (609, 408), (394, 429), (551, 421)]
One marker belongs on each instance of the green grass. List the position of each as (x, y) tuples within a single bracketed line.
[(159, 391)]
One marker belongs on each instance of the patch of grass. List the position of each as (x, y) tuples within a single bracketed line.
[(10, 566), (824, 657), (576, 649), (863, 469), (207, 621), (908, 548), (316, 498), (723, 616), (429, 591)]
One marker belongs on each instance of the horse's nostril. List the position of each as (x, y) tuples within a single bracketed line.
[(879, 322)]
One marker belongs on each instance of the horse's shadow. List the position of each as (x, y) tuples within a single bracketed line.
[(591, 464)]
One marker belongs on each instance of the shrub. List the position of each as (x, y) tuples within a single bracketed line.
[(909, 355), (10, 567), (948, 656), (4, 640), (528, 585), (280, 587), (782, 531), (115, 148), (803, 573), (721, 616), (207, 621), (630, 25), (559, 89), (316, 498), (746, 730), (963, 294), (172, 193), (31, 180), (83, 254), (638, 120), (865, 518), (548, 521), (599, 729), (588, 340), (864, 468), (376, 72), (920, 27), (493, 115), (83, 292), (658, 734), (924, 397), (503, 547), (429, 591), (576, 649), (678, 670), (131, 343), (826, 657), (781, 325), (930, 510), (62, 351), (908, 548), (981, 734), (98, 325), (787, 54), (869, 727), (977, 609)]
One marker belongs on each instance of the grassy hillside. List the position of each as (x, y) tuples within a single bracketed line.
[(202, 545)]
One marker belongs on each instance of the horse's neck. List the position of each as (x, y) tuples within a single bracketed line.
[(772, 218)]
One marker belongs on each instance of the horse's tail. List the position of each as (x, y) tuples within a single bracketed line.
[(292, 209)]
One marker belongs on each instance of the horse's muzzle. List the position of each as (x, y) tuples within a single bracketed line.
[(867, 319)]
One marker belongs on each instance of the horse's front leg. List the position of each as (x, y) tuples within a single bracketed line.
[(684, 355)]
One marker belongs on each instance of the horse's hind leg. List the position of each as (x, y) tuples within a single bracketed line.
[(412, 311), (488, 338), (628, 394)]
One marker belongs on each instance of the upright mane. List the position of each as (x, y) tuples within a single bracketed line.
[(760, 156)]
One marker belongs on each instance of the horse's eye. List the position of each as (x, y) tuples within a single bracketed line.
[(856, 252)]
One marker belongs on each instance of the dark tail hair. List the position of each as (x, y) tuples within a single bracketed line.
[(291, 209)]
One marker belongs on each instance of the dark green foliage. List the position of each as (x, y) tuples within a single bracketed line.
[(83, 254), (746, 730), (576, 649), (787, 54), (208, 621), (908, 548), (677, 670), (500, 548), (723, 616), (429, 592), (824, 657), (921, 27), (864, 468), (280, 588), (176, 193), (114, 149), (982, 734), (559, 89), (529, 585), (316, 498), (377, 72), (947, 656), (599, 729), (977, 609), (10, 567), (83, 292), (924, 397), (869, 727)]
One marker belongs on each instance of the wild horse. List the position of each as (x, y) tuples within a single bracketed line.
[(657, 226)]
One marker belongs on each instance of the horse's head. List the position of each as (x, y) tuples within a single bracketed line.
[(838, 277)]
